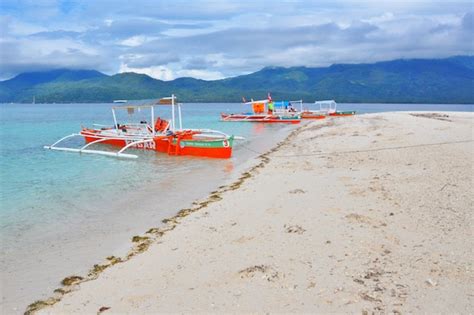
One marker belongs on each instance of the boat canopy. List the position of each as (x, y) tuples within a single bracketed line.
[(327, 106)]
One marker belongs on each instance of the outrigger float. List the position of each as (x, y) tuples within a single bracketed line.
[(326, 108), (163, 137), (263, 111)]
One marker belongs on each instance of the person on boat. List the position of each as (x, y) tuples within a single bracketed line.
[(270, 107), (291, 109)]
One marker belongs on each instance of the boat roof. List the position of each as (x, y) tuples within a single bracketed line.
[(326, 101), (148, 103), (254, 102)]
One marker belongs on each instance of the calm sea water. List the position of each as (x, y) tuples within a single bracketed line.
[(62, 212)]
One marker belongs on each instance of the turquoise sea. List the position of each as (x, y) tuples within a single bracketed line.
[(62, 212)]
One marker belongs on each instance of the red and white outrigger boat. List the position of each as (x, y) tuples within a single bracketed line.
[(263, 111), (164, 136)]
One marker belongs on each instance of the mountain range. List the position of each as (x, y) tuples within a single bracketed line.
[(449, 80)]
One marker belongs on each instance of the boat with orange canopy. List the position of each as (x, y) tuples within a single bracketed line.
[(263, 111)]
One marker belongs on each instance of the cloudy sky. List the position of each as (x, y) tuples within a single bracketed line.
[(213, 39)]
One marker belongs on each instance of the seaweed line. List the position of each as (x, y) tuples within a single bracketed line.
[(141, 243)]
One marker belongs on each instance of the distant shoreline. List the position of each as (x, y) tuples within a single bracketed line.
[(396, 81)]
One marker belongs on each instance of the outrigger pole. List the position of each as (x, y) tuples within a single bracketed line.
[(84, 150), (172, 112), (179, 117), (153, 121), (115, 119)]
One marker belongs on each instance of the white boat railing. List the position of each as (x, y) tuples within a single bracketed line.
[(211, 133), (327, 106), (246, 118)]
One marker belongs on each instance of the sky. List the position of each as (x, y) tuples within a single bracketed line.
[(214, 39)]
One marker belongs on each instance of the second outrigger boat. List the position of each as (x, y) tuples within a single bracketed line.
[(162, 136), (263, 111)]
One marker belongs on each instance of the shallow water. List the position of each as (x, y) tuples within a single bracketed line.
[(63, 212)]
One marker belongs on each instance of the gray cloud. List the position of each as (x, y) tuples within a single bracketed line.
[(60, 34), (468, 22), (199, 63), (228, 37), (143, 61)]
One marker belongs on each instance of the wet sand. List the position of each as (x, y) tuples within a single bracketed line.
[(371, 213)]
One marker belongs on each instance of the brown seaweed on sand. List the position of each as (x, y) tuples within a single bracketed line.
[(35, 306), (71, 280)]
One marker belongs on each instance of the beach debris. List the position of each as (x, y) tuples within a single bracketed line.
[(60, 291), (137, 238), (359, 218), (366, 296), (169, 220), (268, 272), (215, 197), (103, 309), (155, 231), (433, 116), (187, 211), (311, 285), (97, 269), (113, 260), (243, 239), (71, 280), (373, 274), (431, 283), (142, 247), (359, 281), (297, 191), (294, 229), (379, 288), (35, 306), (250, 271)]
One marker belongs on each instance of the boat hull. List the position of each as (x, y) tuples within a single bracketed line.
[(312, 115), (260, 118), (347, 113), (190, 145)]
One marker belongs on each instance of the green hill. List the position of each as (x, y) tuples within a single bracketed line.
[(449, 80)]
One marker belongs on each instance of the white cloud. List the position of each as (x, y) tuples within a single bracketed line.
[(201, 74), (157, 72), (134, 41)]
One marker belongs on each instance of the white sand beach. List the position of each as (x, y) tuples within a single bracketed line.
[(371, 213)]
